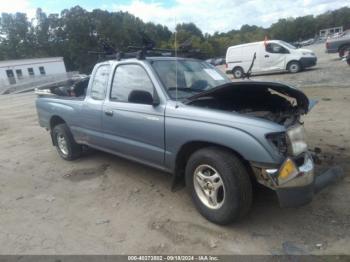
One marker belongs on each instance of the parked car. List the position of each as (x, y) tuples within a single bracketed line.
[(307, 42), (217, 135), (296, 44), (273, 55), (321, 39), (216, 61), (210, 61), (338, 45), (219, 61)]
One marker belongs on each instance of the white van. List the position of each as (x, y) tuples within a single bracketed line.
[(272, 55)]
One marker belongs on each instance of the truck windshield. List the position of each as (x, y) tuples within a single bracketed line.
[(193, 77)]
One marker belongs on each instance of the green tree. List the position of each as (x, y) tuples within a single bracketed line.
[(75, 31)]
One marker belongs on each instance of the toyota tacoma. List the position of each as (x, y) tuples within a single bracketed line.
[(185, 117)]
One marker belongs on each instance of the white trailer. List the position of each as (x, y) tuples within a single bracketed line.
[(17, 71)]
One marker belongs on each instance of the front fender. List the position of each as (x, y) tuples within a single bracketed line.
[(249, 147)]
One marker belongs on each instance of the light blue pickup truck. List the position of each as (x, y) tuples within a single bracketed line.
[(340, 45), (185, 117)]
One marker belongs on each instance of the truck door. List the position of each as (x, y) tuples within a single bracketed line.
[(274, 57), (91, 115), (133, 126)]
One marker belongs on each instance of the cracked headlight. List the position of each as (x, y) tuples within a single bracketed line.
[(279, 142), (297, 140)]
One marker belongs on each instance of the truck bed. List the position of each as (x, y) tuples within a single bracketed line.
[(72, 90)]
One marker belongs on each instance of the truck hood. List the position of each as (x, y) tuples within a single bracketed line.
[(256, 87)]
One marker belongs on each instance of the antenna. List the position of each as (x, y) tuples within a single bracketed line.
[(175, 46)]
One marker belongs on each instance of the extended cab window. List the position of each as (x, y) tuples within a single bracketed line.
[(129, 78), (99, 83), (276, 49)]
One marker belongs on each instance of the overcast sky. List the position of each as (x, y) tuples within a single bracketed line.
[(208, 15)]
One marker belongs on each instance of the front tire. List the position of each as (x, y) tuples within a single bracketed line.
[(294, 67), (343, 50), (238, 72), (66, 147), (219, 184)]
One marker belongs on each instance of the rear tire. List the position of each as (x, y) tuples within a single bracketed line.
[(294, 67), (66, 147), (238, 72), (206, 169)]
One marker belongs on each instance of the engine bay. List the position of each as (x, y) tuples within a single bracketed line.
[(261, 101)]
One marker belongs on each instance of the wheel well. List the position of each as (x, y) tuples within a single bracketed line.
[(56, 120), (188, 149)]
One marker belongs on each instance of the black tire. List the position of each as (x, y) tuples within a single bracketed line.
[(73, 150), (237, 185), (238, 72), (294, 67), (342, 51)]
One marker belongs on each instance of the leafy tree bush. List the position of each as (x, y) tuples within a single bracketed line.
[(75, 31)]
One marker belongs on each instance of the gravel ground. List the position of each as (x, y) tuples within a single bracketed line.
[(102, 204)]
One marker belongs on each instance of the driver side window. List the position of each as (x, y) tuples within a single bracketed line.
[(276, 49), (129, 80)]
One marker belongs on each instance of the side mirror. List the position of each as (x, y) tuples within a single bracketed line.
[(142, 97), (156, 100)]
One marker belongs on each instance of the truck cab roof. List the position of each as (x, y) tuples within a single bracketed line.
[(151, 59)]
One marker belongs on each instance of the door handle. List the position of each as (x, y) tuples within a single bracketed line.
[(109, 112), (267, 56)]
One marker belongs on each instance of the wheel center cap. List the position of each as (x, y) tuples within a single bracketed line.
[(209, 186)]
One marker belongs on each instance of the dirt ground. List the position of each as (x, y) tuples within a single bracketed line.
[(102, 204)]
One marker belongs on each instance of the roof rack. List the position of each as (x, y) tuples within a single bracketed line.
[(141, 53), (147, 50)]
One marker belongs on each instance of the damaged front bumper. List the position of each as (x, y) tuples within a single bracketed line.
[(295, 181)]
